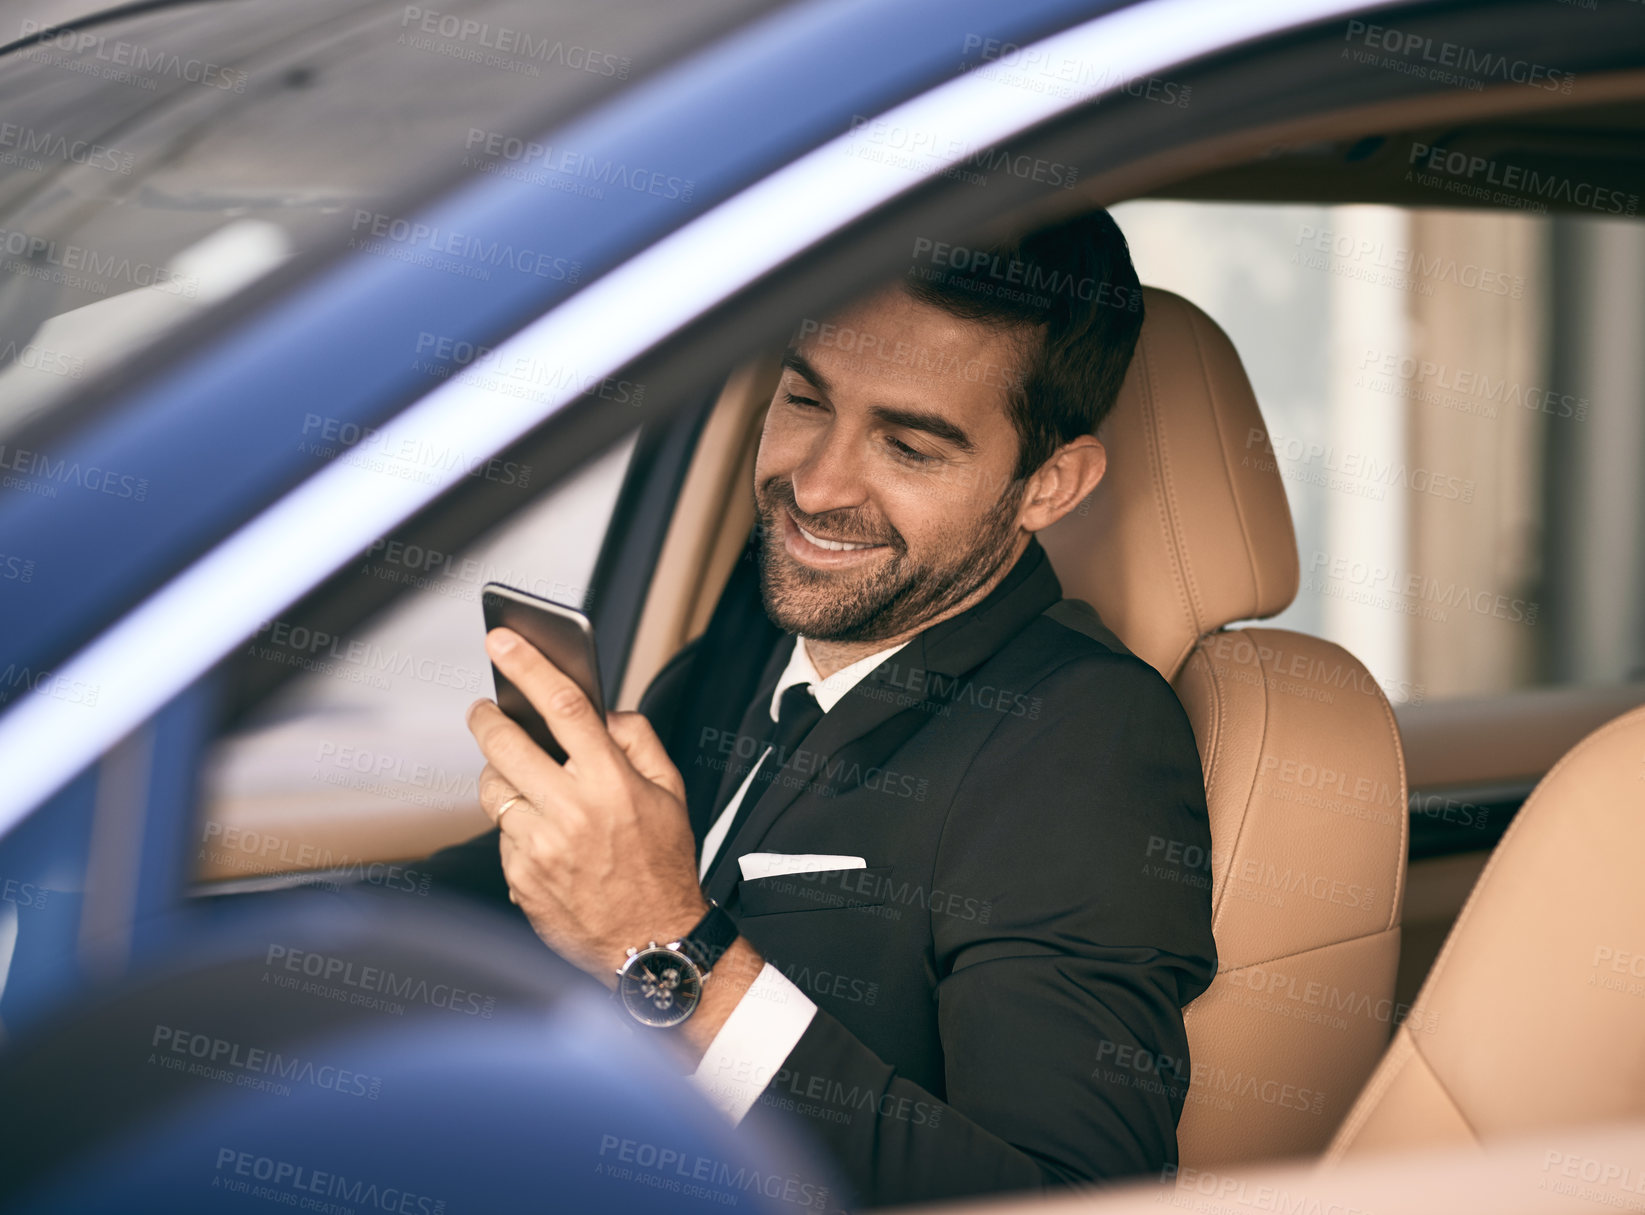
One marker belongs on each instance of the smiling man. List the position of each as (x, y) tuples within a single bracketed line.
[(888, 820)]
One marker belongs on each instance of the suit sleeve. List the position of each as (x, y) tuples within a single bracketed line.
[(1066, 1059)]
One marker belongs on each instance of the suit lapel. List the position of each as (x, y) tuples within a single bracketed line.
[(755, 726), (892, 702), (816, 759), (731, 661)]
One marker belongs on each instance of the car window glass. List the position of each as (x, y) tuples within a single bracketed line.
[(365, 753), (154, 163), (1452, 399)]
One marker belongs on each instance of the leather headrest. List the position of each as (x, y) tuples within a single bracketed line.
[(1189, 529)]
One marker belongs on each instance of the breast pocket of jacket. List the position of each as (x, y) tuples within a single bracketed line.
[(822, 890)]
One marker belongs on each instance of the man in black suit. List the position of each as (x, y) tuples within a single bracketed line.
[(922, 785)]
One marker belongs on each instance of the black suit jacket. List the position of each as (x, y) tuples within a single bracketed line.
[(999, 991)]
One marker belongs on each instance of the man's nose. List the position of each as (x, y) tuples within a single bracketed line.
[(832, 477)]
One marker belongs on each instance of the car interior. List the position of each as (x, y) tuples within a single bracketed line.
[(1398, 858)]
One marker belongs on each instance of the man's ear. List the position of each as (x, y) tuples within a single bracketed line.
[(1062, 482)]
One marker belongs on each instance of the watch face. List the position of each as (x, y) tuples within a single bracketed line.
[(660, 987)]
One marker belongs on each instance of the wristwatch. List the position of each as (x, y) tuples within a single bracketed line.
[(661, 985)]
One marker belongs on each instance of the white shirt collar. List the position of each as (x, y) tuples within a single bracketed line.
[(829, 692)]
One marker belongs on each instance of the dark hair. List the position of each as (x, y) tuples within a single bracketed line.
[(1071, 290)]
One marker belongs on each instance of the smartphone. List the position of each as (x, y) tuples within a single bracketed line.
[(562, 634)]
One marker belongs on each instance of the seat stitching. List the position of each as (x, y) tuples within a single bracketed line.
[(1286, 957), (1215, 750), (1178, 541), (1393, 1063), (1245, 815), (1227, 468), (1396, 908), (1166, 505), (1439, 1081), (1370, 1099), (1215, 724)]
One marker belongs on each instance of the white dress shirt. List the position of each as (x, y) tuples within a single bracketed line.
[(768, 1021)]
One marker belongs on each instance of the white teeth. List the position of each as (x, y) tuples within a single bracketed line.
[(836, 546)]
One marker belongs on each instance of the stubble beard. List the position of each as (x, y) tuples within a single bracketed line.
[(896, 596)]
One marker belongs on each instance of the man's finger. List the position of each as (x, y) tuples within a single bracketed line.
[(515, 758), (495, 792), (495, 788), (633, 733), (554, 694)]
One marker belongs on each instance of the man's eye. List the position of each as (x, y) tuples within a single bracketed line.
[(794, 400), (906, 452)]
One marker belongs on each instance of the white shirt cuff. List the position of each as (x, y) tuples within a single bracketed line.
[(754, 1042)]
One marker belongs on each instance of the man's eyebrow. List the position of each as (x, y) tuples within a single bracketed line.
[(930, 423), (891, 415), (795, 361)]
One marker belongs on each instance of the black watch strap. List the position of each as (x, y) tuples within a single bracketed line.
[(712, 936)]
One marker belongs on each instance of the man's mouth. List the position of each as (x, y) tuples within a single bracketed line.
[(834, 546), (824, 552)]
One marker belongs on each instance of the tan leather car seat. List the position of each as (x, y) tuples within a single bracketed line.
[(1533, 1016), (1188, 532)]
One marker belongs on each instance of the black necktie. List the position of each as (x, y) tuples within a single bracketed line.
[(797, 712)]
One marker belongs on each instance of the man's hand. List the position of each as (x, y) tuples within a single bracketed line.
[(598, 852)]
